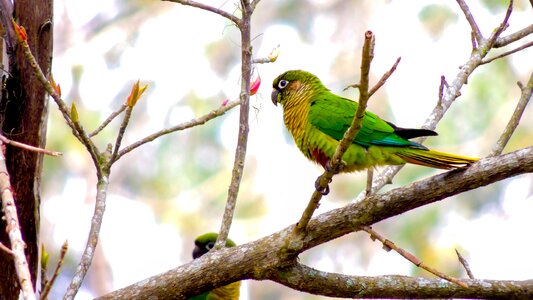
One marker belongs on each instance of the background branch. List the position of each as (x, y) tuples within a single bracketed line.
[(525, 96)]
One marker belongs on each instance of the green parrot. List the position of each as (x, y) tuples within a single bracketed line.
[(203, 244), (317, 120)]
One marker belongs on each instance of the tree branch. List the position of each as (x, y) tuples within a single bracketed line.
[(13, 230), (470, 18), (194, 122), (515, 118), (242, 138), (347, 139), (206, 7), (513, 37), (265, 258), (92, 241), (306, 279)]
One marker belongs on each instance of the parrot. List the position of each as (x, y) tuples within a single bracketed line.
[(317, 120), (202, 245)]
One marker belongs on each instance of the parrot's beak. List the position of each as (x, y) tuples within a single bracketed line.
[(274, 97), (197, 252)]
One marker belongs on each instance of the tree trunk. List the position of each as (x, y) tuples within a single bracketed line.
[(23, 117)]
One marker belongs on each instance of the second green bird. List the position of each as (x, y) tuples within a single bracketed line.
[(317, 120)]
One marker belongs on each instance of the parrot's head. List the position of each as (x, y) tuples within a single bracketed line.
[(206, 242), (295, 85)]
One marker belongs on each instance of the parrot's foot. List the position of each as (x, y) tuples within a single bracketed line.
[(338, 168), (324, 191)]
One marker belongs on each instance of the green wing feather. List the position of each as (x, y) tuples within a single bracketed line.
[(333, 115)]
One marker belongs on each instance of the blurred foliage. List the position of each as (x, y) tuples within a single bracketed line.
[(435, 18), (183, 177)]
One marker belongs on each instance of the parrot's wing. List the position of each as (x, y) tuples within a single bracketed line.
[(333, 115)]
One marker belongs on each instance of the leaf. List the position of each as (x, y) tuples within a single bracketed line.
[(21, 32), (74, 113), (136, 93), (273, 56), (44, 257), (55, 86)]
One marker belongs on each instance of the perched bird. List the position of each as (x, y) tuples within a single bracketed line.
[(317, 120), (203, 244)]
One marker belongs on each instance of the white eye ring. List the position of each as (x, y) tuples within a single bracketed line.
[(283, 84), (209, 245)]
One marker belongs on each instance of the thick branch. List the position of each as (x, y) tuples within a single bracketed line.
[(313, 281), (258, 259)]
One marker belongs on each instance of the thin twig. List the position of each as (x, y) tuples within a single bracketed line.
[(526, 45), (465, 264), (525, 96), (349, 135), (6, 249), (388, 245), (111, 117), (499, 30), (470, 18), (244, 112), (369, 176), (48, 286), (384, 78), (121, 131), (29, 147), (192, 123), (92, 241), (206, 7), (78, 131), (13, 231)]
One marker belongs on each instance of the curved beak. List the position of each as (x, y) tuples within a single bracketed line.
[(274, 97)]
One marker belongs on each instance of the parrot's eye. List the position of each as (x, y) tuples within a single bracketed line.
[(209, 245), (282, 84)]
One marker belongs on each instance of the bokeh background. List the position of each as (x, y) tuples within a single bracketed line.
[(169, 191)]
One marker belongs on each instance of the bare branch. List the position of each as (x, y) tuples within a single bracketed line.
[(515, 118), (336, 160), (13, 230), (388, 245), (92, 241), (465, 264), (513, 37), (242, 138), (470, 18), (48, 286), (526, 45), (28, 147), (111, 117), (206, 7), (121, 132), (194, 122), (384, 78)]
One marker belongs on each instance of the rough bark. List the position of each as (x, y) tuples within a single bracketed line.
[(23, 113)]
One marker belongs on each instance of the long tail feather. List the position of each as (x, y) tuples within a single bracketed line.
[(435, 159)]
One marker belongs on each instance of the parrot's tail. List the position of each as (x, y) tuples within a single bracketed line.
[(435, 159)]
